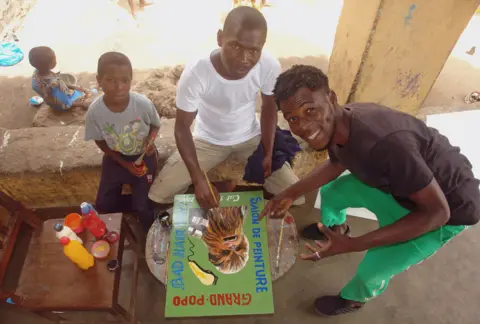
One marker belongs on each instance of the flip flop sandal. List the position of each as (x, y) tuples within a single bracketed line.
[(334, 305), (312, 233)]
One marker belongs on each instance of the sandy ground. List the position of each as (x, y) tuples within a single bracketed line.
[(172, 32)]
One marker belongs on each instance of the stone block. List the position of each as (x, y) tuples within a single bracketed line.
[(49, 117), (54, 166)]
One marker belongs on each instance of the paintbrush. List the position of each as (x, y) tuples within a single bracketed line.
[(280, 239), (140, 158), (210, 188), (211, 191)]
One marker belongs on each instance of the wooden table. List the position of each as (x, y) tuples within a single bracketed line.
[(51, 282), (288, 250)]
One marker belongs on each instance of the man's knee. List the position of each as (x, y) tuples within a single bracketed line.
[(172, 179), (160, 192), (300, 201), (280, 180)]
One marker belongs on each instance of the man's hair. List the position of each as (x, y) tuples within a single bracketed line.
[(40, 57), (244, 18), (109, 58), (299, 76)]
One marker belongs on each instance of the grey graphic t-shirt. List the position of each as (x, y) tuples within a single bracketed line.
[(124, 132)]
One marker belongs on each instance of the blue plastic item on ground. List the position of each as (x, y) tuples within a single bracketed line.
[(10, 54), (36, 101)]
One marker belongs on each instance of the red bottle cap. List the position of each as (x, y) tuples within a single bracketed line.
[(64, 240)]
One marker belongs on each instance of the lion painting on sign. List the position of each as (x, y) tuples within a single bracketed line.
[(221, 229)]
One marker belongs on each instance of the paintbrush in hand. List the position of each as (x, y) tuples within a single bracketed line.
[(210, 188), (211, 191), (150, 142)]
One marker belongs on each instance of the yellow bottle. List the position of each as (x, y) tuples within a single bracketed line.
[(77, 253)]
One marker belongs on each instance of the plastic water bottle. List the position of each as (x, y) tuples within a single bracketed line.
[(77, 253), (61, 231), (160, 239), (91, 220)]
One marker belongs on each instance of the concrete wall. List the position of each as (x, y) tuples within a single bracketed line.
[(391, 51), (54, 166)]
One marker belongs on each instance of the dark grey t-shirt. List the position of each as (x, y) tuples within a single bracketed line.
[(399, 154), (124, 132)]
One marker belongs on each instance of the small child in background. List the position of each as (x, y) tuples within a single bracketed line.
[(55, 92), (122, 123)]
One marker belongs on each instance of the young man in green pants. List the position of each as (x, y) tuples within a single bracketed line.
[(419, 186)]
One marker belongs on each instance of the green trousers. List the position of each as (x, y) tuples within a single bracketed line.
[(382, 263)]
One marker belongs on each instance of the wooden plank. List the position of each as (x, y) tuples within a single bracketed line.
[(9, 249)]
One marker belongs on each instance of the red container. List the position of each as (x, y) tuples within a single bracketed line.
[(92, 222)]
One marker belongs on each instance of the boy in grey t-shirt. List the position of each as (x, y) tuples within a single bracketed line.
[(121, 123)]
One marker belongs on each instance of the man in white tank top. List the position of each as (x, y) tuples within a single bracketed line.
[(220, 91)]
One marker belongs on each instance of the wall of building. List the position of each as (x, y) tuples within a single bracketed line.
[(391, 51)]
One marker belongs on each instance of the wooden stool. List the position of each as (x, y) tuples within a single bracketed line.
[(49, 282)]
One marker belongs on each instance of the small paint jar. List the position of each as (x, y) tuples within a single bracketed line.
[(112, 237), (100, 250)]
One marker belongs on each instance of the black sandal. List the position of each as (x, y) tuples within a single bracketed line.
[(334, 305), (311, 232)]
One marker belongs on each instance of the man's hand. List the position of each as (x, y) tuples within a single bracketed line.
[(204, 196), (137, 171), (336, 243), (277, 207), (267, 166)]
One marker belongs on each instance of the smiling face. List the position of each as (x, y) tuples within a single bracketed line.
[(240, 50), (311, 116)]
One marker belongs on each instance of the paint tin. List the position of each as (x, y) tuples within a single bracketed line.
[(112, 237), (100, 249)]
